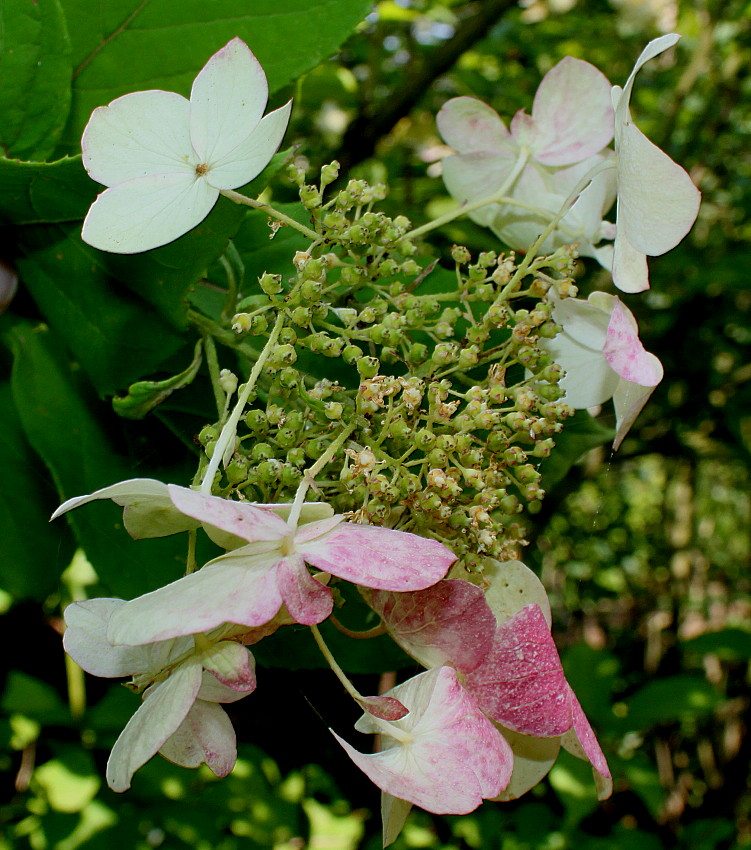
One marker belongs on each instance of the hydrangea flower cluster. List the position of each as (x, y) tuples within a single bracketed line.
[(422, 453)]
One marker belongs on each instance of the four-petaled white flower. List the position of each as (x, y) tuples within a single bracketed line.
[(166, 158), (657, 202), (600, 350), (570, 125), (182, 681)]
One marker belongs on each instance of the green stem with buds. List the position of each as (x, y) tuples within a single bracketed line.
[(229, 431), (270, 211)]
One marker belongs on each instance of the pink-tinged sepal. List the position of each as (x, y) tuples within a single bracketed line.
[(205, 737), (385, 708), (444, 756), (448, 623), (378, 557), (307, 600)]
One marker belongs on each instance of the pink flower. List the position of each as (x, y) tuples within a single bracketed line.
[(182, 681), (249, 584), (444, 756)]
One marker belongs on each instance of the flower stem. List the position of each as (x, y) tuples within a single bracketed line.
[(498, 197), (551, 226), (310, 474), (225, 443), (338, 672), (213, 364), (270, 211)]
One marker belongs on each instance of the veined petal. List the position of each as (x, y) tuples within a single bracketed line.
[(472, 177), (471, 126), (589, 380), (232, 664), (628, 399), (85, 640), (625, 353), (205, 737), (139, 134), (244, 162), (581, 742), (149, 512), (654, 48), (511, 587), (163, 709), (378, 557), (657, 201), (142, 214), (533, 758), (307, 600), (240, 519), (445, 755), (521, 682), (572, 112), (231, 589), (212, 690), (227, 101), (630, 271), (449, 623)]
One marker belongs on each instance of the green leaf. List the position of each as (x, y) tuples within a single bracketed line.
[(146, 395), (121, 46), (70, 781), (581, 433), (32, 552), (668, 700), (35, 68), (77, 446), (728, 644), (34, 192), (116, 337), (34, 698)]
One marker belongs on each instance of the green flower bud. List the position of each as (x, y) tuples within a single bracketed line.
[(549, 330), (517, 421), (528, 474), (237, 470), (528, 356), (289, 378), (335, 220), (496, 441), (296, 456), (438, 458), (269, 471), (290, 476), (468, 357), (256, 420), (333, 410), (460, 254), (315, 448), (311, 290), (208, 434), (310, 196), (418, 353), (368, 366), (259, 324), (329, 173), (514, 455), (271, 284), (241, 322), (550, 392), (351, 354), (425, 440), (443, 330), (302, 316), (543, 448), (409, 484), (261, 451), (446, 442), (282, 355), (445, 353)]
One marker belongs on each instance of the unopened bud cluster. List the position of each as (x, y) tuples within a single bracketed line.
[(454, 402)]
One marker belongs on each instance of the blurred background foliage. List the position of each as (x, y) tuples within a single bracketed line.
[(645, 553)]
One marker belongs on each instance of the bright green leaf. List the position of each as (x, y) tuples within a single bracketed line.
[(35, 68), (121, 46), (32, 553), (33, 192), (70, 781)]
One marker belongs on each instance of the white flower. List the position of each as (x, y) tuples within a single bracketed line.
[(182, 681), (657, 202), (600, 350), (166, 158), (564, 137)]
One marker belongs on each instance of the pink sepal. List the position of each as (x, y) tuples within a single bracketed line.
[(307, 600), (625, 353)]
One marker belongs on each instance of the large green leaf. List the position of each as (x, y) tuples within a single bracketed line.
[(35, 68), (34, 192), (115, 336), (83, 455), (121, 46), (32, 552)]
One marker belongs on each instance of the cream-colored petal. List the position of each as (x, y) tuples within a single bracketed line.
[(227, 101), (142, 214), (137, 135)]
